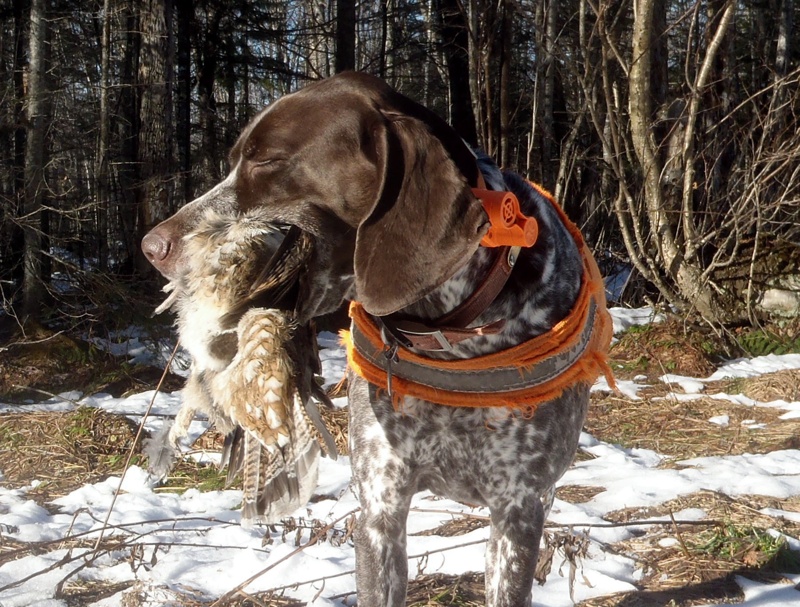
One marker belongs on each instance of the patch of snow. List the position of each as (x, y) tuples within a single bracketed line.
[(689, 385), (625, 318), (720, 420)]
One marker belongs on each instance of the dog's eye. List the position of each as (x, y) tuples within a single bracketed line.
[(269, 162)]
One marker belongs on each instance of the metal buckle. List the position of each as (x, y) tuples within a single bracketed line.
[(409, 328), (444, 343)]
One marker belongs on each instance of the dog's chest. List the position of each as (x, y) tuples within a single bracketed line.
[(470, 455)]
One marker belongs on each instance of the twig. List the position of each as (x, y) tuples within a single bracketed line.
[(680, 537), (133, 445), (320, 533), (672, 521), (47, 393)]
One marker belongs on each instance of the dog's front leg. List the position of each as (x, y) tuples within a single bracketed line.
[(512, 551), (382, 483), (381, 560)]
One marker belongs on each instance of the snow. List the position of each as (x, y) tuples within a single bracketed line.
[(625, 318), (170, 543)]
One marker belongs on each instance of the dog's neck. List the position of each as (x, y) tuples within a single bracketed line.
[(540, 291)]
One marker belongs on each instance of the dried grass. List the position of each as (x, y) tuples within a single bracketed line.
[(577, 494), (682, 429), (465, 590), (67, 450), (782, 385), (743, 510), (142, 595), (692, 564), (337, 422), (63, 450), (460, 525), (668, 347), (85, 592)]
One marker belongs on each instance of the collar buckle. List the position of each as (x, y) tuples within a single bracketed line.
[(412, 333)]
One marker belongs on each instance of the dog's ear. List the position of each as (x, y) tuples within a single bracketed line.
[(425, 222)]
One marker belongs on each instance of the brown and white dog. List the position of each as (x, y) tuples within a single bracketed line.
[(384, 189)]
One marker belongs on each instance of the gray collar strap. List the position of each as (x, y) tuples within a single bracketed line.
[(490, 380)]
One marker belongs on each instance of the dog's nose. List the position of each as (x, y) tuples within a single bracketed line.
[(156, 248)]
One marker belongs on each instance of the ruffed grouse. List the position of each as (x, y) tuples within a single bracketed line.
[(252, 367)]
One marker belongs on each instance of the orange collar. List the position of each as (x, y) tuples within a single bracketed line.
[(521, 377)]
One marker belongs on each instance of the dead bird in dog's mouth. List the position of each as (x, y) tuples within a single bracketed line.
[(253, 365)]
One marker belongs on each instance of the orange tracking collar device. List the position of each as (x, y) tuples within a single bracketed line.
[(509, 226)]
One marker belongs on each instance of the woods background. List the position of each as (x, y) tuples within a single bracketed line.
[(668, 129)]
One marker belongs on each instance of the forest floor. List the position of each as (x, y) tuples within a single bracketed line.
[(706, 549)]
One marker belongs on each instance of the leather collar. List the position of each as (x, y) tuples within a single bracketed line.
[(452, 328)]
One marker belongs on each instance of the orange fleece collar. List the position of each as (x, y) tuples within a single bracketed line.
[(522, 377)]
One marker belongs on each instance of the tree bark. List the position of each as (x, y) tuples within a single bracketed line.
[(345, 35), (155, 192), (101, 174), (17, 239), (678, 261), (35, 157), (208, 55), (455, 36), (783, 47), (505, 70), (128, 171), (546, 45), (183, 101)]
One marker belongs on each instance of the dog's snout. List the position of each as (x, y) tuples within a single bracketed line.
[(160, 247), (155, 247)]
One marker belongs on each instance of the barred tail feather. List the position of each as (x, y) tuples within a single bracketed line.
[(276, 482), (251, 478), (291, 487)]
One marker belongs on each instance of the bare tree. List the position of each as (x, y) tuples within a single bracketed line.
[(104, 140), (155, 193), (345, 35), (183, 102), (35, 159), (455, 35)]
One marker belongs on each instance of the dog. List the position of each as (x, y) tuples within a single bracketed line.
[(386, 190)]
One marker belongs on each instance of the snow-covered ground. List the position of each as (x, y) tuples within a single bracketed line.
[(192, 543)]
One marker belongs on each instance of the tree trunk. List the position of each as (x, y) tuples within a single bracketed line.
[(783, 48), (679, 261), (505, 70), (17, 240), (429, 53), (207, 102), (318, 62), (183, 101), (35, 157), (548, 91), (455, 36), (475, 63), (101, 172), (345, 35), (155, 193), (128, 171)]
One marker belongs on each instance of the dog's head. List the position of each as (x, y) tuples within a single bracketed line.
[(380, 183)]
